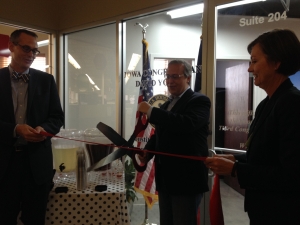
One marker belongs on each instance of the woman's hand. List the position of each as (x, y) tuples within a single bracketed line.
[(226, 156)]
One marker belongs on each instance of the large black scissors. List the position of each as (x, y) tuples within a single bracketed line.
[(118, 140)]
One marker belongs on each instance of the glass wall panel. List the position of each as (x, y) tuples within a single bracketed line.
[(236, 96), (237, 27), (90, 77), (167, 39)]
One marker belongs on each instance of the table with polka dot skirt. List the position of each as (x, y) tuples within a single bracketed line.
[(89, 207)]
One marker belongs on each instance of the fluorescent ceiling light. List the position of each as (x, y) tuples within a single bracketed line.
[(135, 58), (5, 52), (90, 79), (186, 11), (238, 3), (92, 82), (43, 43), (73, 61)]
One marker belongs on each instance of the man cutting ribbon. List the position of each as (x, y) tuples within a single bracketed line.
[(181, 127)]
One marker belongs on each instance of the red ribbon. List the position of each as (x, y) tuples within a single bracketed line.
[(201, 158), (215, 206)]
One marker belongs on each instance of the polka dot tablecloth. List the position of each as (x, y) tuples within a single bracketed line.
[(89, 207)]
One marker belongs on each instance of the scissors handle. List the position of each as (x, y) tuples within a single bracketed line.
[(139, 127), (136, 165)]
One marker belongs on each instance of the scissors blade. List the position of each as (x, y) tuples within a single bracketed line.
[(112, 135), (118, 140), (115, 138), (108, 159)]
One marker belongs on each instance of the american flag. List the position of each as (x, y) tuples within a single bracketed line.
[(145, 182), (197, 88), (199, 69)]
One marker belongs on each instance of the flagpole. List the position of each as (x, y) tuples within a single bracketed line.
[(146, 222), (144, 29)]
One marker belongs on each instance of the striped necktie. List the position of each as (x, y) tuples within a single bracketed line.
[(17, 76)]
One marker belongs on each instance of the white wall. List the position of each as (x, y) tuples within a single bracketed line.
[(171, 37), (232, 39)]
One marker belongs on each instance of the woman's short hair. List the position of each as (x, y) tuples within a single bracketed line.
[(280, 45)]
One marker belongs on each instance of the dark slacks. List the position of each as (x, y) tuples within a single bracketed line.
[(178, 209), (287, 215), (19, 192)]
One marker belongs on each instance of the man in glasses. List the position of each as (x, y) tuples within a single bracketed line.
[(29, 104), (181, 127)]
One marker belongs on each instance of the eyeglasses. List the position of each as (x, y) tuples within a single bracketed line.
[(173, 76), (27, 49)]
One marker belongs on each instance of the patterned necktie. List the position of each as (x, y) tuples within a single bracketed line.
[(17, 76)]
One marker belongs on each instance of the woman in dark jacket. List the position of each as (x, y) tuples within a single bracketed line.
[(270, 170)]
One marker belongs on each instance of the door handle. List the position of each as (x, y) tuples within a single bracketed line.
[(210, 172)]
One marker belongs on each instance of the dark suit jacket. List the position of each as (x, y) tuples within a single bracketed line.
[(183, 130), (271, 175), (43, 109)]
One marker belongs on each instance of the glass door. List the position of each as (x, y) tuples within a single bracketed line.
[(234, 96), (166, 38), (91, 79)]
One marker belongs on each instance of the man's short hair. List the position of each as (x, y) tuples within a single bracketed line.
[(14, 37), (187, 71)]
